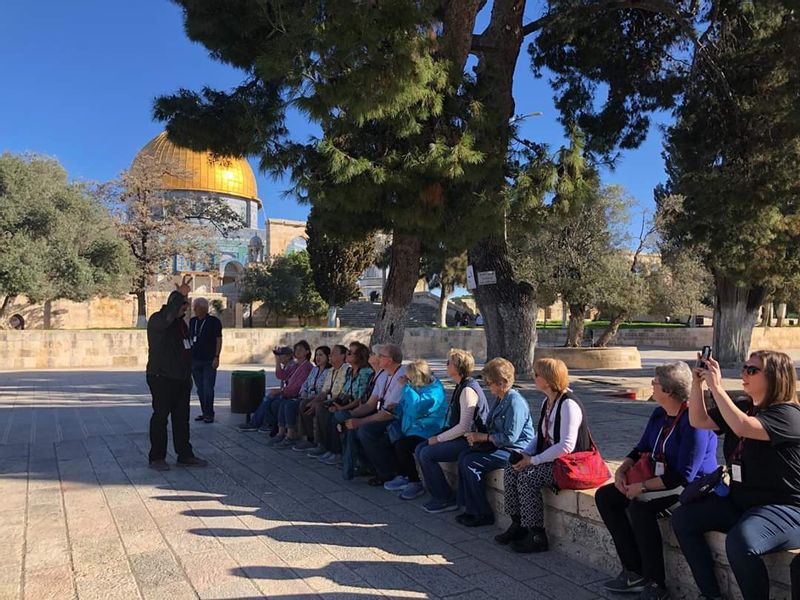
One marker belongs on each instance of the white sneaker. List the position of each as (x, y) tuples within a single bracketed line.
[(325, 456)]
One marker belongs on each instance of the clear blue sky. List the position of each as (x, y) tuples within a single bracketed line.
[(79, 78)]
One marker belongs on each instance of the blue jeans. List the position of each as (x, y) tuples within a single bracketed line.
[(264, 412), (428, 459), (288, 412), (376, 448), (751, 534), (205, 378), (273, 409), (472, 470)]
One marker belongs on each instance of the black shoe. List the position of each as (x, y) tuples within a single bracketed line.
[(535, 540), (199, 417), (478, 520), (376, 482), (512, 534), (247, 427), (159, 465), (627, 582), (208, 419), (193, 461), (653, 591), (464, 517)]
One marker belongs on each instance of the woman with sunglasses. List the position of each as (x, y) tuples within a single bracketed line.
[(761, 514)]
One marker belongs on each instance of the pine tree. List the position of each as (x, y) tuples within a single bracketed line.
[(733, 160)]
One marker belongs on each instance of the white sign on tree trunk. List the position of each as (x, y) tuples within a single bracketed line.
[(471, 285), (487, 277)]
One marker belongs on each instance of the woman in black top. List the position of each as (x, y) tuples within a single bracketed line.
[(762, 447)]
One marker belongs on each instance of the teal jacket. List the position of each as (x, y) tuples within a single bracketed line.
[(422, 411)]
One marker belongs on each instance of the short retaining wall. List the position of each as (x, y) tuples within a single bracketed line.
[(73, 349), (574, 527), (616, 357), (99, 348)]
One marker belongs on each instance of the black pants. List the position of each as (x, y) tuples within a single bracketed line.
[(404, 452), (633, 525), (170, 400)]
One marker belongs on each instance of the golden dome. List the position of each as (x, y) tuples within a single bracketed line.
[(203, 172)]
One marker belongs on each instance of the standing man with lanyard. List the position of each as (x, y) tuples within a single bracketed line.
[(169, 377), (206, 338)]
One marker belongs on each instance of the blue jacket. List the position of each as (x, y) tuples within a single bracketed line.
[(509, 423), (422, 411), (689, 453)]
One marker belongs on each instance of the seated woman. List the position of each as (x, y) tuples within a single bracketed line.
[(290, 409), (562, 429), (678, 454), (761, 514), (420, 414), (468, 411), (354, 393), (292, 381), (509, 428)]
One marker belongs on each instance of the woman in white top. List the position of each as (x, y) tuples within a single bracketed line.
[(561, 430), (467, 412)]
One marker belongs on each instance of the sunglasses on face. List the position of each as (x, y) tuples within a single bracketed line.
[(750, 369)]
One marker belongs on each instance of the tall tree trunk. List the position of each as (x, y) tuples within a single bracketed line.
[(508, 307), (441, 320), (332, 310), (577, 314), (141, 308), (735, 314), (611, 330), (390, 325)]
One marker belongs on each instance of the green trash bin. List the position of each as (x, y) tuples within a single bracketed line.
[(247, 391)]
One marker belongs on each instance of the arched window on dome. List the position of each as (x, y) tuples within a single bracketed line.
[(298, 244)]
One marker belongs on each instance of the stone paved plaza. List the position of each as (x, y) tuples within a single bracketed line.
[(82, 516)]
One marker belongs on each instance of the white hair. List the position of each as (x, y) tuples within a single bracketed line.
[(200, 302)]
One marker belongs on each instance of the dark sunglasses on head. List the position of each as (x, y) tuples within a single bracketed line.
[(750, 369)]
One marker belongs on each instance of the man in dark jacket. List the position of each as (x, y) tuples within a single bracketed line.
[(169, 376)]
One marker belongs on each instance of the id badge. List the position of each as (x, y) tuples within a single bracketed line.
[(329, 398), (194, 340), (187, 344), (659, 470), (736, 473)]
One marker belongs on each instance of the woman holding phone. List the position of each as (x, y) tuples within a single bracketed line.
[(761, 514)]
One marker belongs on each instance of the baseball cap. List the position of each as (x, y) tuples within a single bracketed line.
[(283, 351)]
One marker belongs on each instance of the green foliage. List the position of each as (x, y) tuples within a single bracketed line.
[(734, 153), (337, 263), (56, 240), (285, 285)]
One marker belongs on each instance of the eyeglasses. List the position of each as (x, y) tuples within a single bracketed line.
[(750, 369), (383, 355), (655, 382)]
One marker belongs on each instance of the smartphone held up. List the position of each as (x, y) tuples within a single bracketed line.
[(705, 354)]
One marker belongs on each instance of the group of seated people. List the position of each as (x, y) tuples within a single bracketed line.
[(372, 415)]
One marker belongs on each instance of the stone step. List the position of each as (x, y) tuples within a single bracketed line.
[(574, 527)]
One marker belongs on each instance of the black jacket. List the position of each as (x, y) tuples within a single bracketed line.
[(167, 355)]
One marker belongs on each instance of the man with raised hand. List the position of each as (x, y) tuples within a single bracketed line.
[(169, 377)]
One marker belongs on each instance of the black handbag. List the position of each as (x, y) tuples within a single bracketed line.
[(703, 486)]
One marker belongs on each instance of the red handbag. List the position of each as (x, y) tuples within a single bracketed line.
[(581, 470), (642, 470)]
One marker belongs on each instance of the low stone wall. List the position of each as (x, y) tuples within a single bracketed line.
[(616, 357), (91, 348), (574, 527), (678, 338), (72, 349)]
